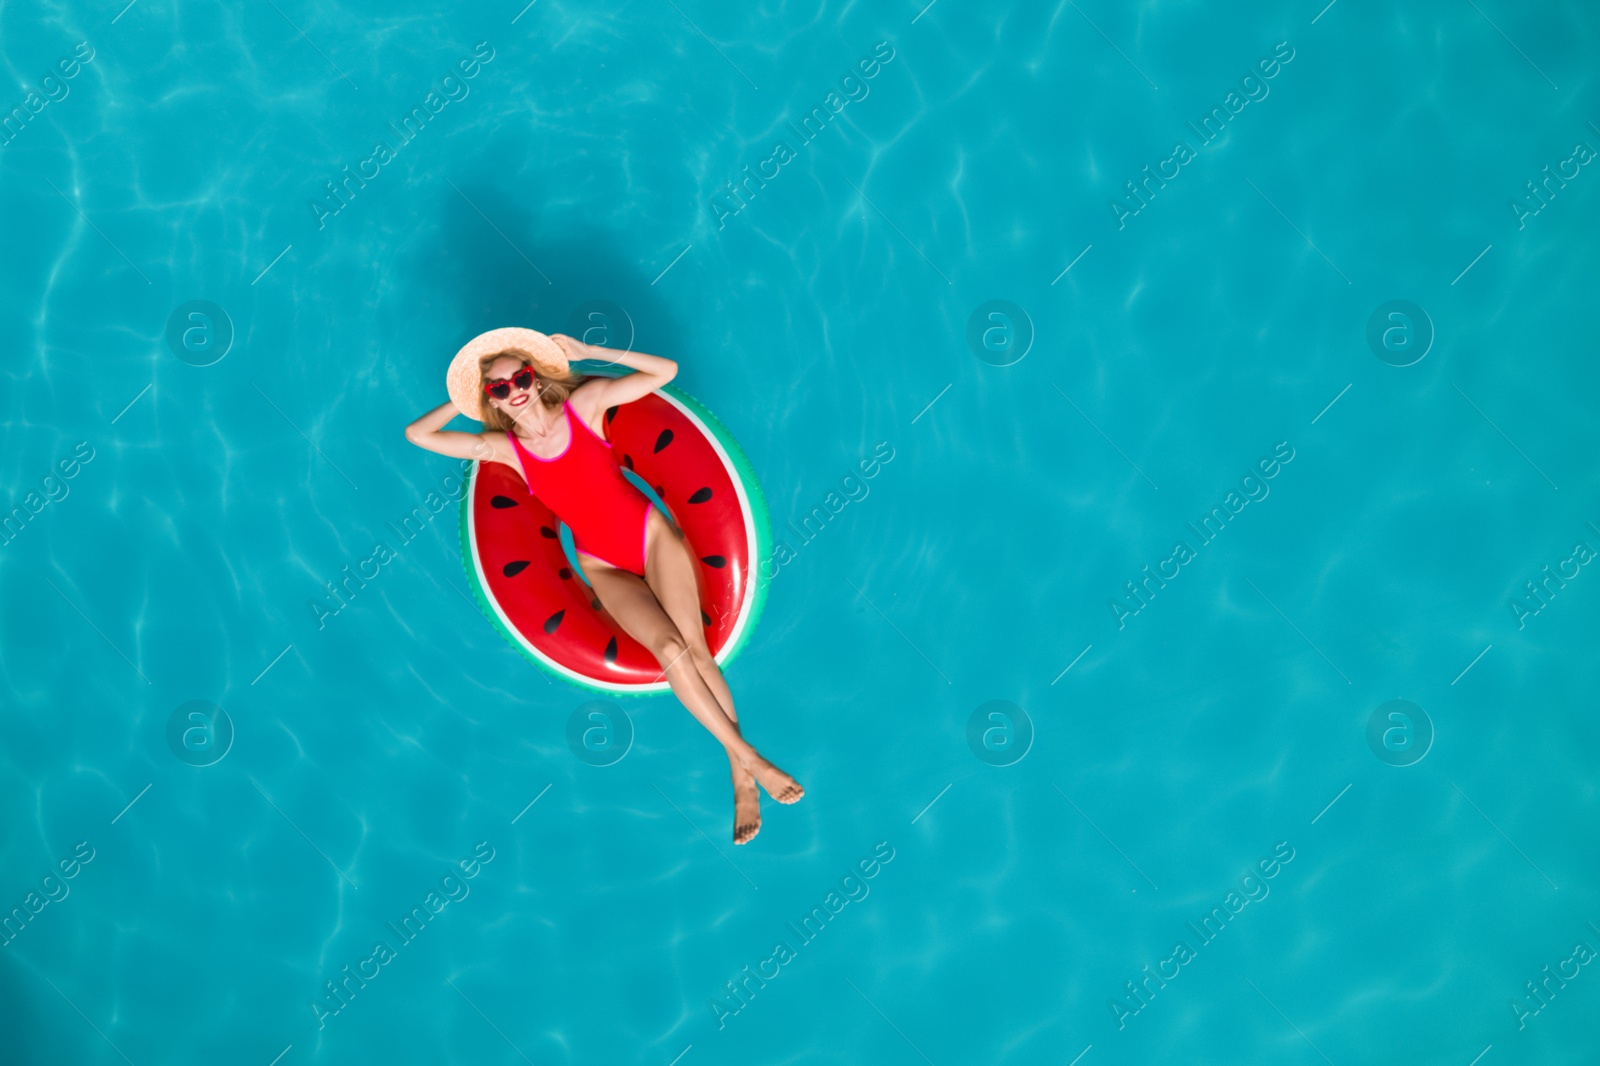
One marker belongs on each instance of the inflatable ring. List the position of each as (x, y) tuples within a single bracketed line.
[(525, 578)]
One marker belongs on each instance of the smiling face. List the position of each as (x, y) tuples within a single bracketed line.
[(503, 368), (547, 390)]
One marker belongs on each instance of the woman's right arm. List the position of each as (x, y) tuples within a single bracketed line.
[(428, 432)]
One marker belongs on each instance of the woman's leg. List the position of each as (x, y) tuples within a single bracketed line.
[(669, 572), (634, 606), (665, 564)]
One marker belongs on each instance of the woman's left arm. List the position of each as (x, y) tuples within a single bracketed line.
[(650, 371)]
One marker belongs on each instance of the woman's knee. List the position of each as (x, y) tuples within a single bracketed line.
[(667, 647)]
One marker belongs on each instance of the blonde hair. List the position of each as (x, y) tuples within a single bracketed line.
[(550, 391)]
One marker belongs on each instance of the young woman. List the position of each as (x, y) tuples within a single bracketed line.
[(546, 421)]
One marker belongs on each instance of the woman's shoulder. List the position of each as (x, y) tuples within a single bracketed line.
[(585, 399), (501, 449)]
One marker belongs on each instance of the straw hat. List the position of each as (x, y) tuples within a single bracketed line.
[(464, 379)]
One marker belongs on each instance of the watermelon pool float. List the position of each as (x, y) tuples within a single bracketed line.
[(516, 550)]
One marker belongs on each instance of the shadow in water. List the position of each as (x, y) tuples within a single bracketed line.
[(502, 262)]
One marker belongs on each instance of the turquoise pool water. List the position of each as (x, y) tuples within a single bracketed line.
[(1065, 773)]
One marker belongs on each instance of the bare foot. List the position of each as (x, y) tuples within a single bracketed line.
[(746, 807), (779, 785)]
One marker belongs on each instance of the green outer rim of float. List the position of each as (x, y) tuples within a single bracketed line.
[(744, 476)]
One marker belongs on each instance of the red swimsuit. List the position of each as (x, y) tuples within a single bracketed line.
[(585, 487)]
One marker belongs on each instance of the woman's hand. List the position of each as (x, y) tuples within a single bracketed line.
[(650, 372), (574, 348)]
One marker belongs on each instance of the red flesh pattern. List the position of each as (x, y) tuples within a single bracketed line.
[(529, 598)]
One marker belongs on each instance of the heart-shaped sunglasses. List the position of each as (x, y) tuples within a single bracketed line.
[(500, 388)]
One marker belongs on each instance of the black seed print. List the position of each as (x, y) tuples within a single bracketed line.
[(611, 412), (611, 651), (500, 503), (546, 531), (564, 573), (513, 569), (627, 461), (705, 619), (714, 560), (700, 495), (664, 440), (553, 621), (595, 603)]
